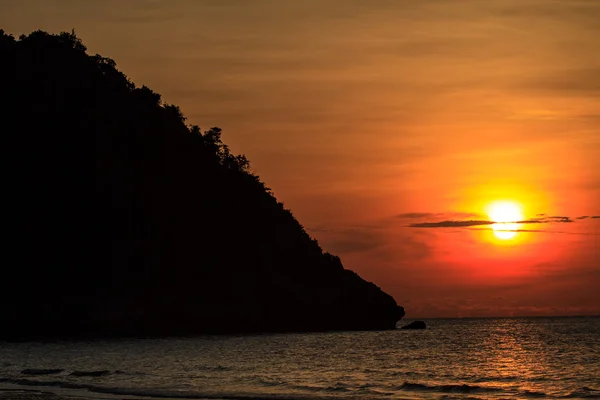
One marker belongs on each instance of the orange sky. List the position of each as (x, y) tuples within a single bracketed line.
[(366, 117)]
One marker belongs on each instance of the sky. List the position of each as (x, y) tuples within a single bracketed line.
[(390, 128)]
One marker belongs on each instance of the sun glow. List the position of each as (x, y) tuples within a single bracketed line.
[(505, 215)]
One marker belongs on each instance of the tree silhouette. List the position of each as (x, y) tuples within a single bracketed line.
[(123, 220)]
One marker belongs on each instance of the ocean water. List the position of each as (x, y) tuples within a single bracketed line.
[(507, 358)]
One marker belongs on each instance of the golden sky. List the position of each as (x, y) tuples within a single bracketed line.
[(378, 121)]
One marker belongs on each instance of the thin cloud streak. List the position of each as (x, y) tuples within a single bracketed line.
[(421, 215), (538, 231), (449, 224), (416, 215), (468, 223)]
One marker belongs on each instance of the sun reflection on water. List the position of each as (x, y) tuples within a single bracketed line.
[(516, 355)]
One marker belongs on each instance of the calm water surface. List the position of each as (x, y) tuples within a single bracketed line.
[(453, 359)]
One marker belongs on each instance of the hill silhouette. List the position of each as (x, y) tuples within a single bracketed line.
[(120, 219)]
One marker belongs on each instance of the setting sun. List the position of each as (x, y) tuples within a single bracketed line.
[(505, 215)]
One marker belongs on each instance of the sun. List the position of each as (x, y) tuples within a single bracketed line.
[(505, 215)]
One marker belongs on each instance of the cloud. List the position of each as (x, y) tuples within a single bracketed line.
[(421, 215), (540, 231), (571, 11), (468, 223), (546, 220), (346, 241), (450, 224), (377, 241), (416, 215), (575, 81)]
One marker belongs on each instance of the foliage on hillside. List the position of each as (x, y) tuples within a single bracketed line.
[(124, 220)]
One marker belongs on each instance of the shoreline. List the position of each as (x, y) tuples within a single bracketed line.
[(31, 394), (14, 391), (10, 391)]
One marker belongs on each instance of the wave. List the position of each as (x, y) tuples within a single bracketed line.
[(533, 394), (77, 373), (464, 388), (446, 391), (338, 387), (41, 371), (213, 368), (507, 378), (102, 372), (147, 393), (584, 393), (270, 382)]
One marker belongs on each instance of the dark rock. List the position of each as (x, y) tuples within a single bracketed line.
[(415, 325), (125, 221), (41, 371)]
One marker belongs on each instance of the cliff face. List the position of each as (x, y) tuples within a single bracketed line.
[(124, 221)]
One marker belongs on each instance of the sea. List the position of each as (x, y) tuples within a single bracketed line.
[(499, 358)]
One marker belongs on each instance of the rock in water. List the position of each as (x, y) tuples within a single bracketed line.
[(415, 325), (123, 220)]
